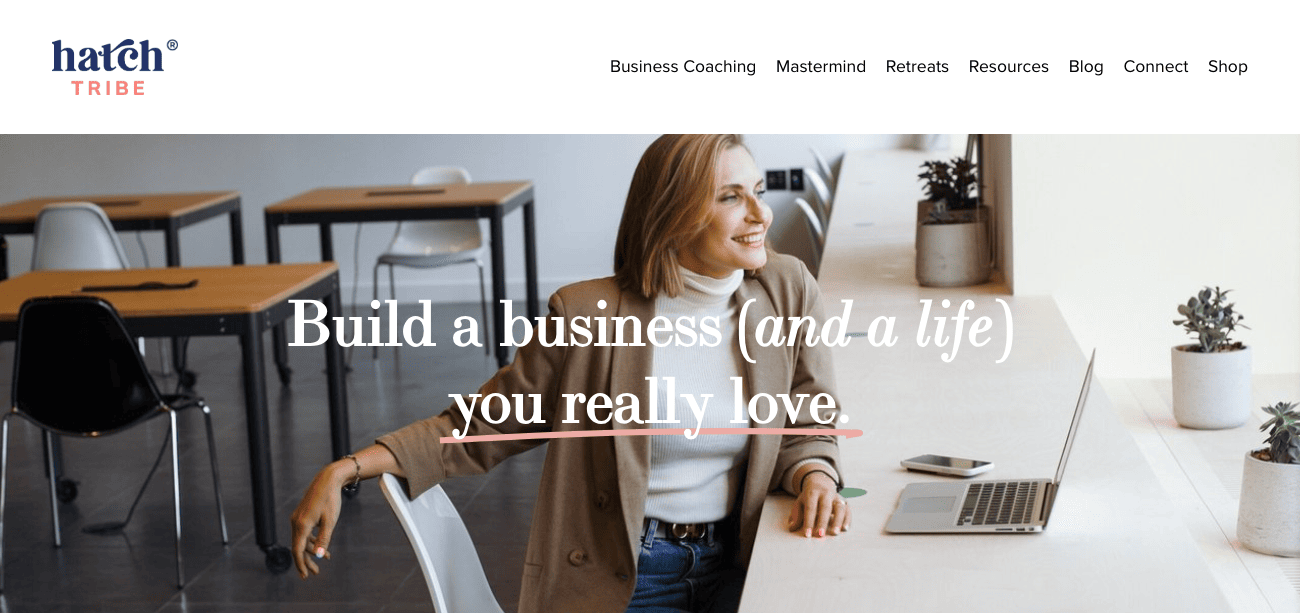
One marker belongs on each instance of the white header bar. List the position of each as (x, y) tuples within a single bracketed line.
[(542, 67)]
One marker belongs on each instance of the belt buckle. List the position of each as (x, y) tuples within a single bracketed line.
[(685, 531)]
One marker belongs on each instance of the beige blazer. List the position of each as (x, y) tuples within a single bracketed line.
[(582, 551)]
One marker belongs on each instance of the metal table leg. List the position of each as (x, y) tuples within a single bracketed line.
[(340, 440), (499, 287), (530, 261), (340, 434), (236, 235), (279, 343), (172, 243), (259, 446)]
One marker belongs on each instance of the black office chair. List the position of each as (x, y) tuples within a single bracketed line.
[(77, 372)]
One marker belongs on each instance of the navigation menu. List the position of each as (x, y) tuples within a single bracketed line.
[(1092, 67)]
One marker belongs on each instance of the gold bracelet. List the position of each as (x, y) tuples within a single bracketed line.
[(356, 479)]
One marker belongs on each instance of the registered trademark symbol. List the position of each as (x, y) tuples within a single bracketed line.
[(171, 44)]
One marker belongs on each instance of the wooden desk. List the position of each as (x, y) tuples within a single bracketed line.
[(166, 212), (1114, 542), (242, 301), (491, 200)]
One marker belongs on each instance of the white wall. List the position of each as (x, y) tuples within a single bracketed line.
[(1121, 229), (581, 183)]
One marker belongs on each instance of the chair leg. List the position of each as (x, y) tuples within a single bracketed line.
[(374, 312), (482, 298), (164, 355), (392, 294), (4, 479), (54, 499), (176, 500), (392, 283), (216, 480)]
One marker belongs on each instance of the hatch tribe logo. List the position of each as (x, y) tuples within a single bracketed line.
[(127, 56)]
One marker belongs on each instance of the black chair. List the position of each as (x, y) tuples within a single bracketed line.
[(77, 372)]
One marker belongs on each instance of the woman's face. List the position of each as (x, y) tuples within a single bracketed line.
[(738, 221)]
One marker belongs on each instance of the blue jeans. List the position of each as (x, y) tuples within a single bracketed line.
[(685, 576)]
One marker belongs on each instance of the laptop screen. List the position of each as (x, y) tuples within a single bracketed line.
[(1074, 423)]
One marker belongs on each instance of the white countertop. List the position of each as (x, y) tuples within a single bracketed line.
[(1115, 542)]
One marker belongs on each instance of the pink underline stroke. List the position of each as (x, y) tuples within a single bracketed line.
[(648, 432)]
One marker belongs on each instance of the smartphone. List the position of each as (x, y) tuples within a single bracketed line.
[(946, 465)]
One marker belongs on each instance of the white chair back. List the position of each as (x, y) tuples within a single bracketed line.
[(822, 165), (816, 230), (431, 237), (814, 221), (822, 191), (444, 548), (441, 175), (76, 235)]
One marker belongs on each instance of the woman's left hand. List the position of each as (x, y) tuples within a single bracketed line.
[(819, 508)]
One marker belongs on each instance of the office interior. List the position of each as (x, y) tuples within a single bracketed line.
[(1112, 230)]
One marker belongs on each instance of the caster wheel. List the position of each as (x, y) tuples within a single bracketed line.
[(66, 490), (286, 374), (278, 559), (351, 490)]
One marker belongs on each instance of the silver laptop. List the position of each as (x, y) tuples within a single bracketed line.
[(991, 506)]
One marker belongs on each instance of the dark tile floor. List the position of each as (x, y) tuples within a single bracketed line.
[(373, 568)]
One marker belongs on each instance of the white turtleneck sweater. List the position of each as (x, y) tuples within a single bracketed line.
[(697, 480)]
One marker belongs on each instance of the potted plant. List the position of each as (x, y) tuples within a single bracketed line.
[(1268, 520), (952, 239), (1211, 378)]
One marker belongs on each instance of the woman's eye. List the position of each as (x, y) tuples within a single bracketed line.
[(728, 198), (760, 192)]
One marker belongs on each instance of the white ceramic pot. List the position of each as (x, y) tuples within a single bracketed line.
[(952, 255), (923, 209), (1268, 520), (1211, 390)]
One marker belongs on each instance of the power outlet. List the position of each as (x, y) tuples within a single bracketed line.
[(796, 180), (776, 179)]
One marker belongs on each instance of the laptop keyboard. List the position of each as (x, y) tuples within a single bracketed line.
[(1002, 502)]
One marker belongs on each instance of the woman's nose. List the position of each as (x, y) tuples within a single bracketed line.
[(759, 212)]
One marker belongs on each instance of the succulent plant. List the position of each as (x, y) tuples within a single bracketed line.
[(1283, 430), (949, 185), (1211, 319)]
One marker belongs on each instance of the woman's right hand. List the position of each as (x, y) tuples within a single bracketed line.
[(319, 511)]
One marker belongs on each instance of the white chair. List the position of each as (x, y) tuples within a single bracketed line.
[(823, 166), (821, 194), (818, 232), (436, 243), (444, 548), (76, 236)]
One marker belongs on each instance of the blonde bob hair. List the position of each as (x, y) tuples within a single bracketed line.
[(668, 204)]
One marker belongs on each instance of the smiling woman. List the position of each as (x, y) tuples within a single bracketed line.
[(646, 518), (693, 197), (738, 221)]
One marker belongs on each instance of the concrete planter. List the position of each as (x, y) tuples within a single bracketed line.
[(953, 255), (1211, 390), (1268, 520)]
